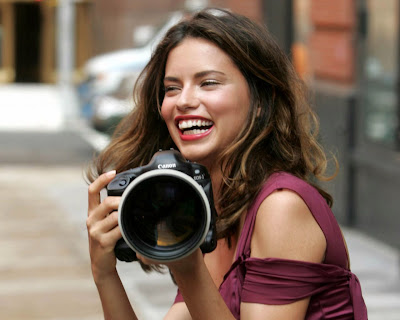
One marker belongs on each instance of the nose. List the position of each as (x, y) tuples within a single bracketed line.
[(187, 99)]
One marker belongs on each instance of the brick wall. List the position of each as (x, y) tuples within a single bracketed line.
[(332, 45), (114, 21), (249, 8)]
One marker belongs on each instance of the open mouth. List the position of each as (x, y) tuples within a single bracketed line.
[(195, 126)]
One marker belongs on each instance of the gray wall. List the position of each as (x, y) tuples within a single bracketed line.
[(334, 109)]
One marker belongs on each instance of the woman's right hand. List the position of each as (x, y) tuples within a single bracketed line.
[(104, 232), (103, 229)]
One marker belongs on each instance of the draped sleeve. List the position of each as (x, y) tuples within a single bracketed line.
[(279, 281), (286, 281)]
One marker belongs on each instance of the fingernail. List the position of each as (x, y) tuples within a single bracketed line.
[(111, 173)]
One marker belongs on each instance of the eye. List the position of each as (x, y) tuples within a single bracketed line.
[(170, 88), (209, 83)]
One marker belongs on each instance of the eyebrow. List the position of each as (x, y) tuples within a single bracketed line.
[(197, 75)]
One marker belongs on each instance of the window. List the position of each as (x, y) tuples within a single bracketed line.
[(381, 72)]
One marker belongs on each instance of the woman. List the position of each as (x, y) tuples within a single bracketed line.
[(220, 90)]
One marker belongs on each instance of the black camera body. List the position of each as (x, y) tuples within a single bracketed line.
[(166, 210)]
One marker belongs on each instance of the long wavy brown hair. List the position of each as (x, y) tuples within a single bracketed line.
[(281, 129)]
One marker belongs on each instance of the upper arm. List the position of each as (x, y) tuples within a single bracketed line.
[(256, 311), (284, 228)]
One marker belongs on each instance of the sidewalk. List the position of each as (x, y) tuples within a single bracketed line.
[(45, 269), (377, 266)]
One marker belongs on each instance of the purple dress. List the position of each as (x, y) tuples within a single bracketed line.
[(335, 291)]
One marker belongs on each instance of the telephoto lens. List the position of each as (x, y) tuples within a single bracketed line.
[(165, 214)]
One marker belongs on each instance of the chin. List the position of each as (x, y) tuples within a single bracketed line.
[(194, 155)]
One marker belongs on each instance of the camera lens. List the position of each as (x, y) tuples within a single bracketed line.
[(164, 215)]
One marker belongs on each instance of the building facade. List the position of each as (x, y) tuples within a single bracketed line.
[(354, 69), (29, 39)]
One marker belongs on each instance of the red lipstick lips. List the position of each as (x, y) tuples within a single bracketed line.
[(193, 127)]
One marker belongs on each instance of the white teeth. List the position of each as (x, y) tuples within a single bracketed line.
[(183, 125), (194, 123), (195, 131)]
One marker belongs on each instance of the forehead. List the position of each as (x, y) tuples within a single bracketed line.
[(198, 53)]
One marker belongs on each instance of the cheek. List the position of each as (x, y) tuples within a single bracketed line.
[(167, 115), (243, 109), (165, 111), (234, 111)]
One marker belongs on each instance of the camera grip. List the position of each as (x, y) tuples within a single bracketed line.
[(123, 252)]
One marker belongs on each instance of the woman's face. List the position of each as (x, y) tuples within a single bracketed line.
[(206, 100)]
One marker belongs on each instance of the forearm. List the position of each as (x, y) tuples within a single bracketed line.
[(114, 300), (200, 293)]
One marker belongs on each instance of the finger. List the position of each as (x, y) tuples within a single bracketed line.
[(96, 186), (107, 208), (114, 235), (106, 228), (109, 223), (109, 240)]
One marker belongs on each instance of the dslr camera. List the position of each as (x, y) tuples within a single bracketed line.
[(166, 209)]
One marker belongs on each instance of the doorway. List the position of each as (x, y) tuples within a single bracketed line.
[(27, 42)]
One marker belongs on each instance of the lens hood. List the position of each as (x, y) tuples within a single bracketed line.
[(164, 215)]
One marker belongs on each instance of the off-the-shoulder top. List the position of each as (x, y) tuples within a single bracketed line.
[(334, 290)]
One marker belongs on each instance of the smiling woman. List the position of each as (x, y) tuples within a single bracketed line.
[(220, 90)]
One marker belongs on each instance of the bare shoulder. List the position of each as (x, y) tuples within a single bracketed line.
[(285, 228)]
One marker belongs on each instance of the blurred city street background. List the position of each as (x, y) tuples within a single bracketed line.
[(67, 70)]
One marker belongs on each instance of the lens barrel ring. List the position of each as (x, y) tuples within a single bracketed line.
[(174, 253)]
